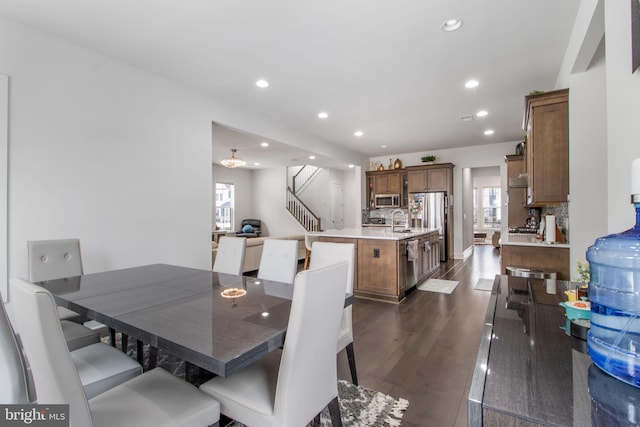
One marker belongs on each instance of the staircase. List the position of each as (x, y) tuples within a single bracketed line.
[(295, 206)]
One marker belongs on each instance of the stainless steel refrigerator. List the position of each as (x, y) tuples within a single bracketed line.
[(429, 210)]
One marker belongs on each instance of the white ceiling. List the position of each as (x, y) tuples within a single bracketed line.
[(384, 67)]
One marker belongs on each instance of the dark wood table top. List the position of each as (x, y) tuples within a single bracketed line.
[(182, 310)]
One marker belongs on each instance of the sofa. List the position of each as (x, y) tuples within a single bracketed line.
[(253, 251)]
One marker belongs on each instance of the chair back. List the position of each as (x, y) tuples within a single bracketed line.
[(54, 374), (326, 253), (307, 379), (308, 241), (54, 259), (279, 260), (230, 256), (15, 387)]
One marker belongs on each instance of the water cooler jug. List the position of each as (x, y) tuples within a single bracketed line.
[(614, 290)]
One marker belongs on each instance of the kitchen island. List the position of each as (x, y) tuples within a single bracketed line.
[(524, 250), (527, 373), (388, 263)]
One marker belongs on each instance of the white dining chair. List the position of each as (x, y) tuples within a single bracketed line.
[(289, 387), (155, 398), (279, 260), (327, 253), (230, 256), (15, 380), (59, 259)]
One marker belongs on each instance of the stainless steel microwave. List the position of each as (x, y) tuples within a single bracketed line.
[(387, 200)]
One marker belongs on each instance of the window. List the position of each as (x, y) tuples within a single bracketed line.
[(491, 211), (488, 207), (224, 206)]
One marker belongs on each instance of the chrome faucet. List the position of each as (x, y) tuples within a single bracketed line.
[(393, 221)]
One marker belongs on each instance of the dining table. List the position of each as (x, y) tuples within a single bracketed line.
[(217, 322)]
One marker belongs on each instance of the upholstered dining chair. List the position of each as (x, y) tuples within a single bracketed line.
[(155, 398), (230, 257), (289, 387), (326, 253), (99, 367), (15, 380), (58, 259), (279, 260)]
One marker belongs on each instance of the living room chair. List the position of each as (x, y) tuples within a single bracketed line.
[(326, 253), (15, 379), (230, 257), (279, 260), (250, 228), (289, 387), (155, 398), (59, 259)]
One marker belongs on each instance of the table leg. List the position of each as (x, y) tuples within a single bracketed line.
[(125, 343), (153, 357), (140, 353), (112, 334)]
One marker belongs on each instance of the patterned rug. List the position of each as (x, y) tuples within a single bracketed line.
[(438, 285), (359, 406), (484, 285)]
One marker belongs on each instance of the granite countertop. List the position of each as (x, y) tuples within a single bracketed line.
[(527, 372), (378, 233), (516, 239)]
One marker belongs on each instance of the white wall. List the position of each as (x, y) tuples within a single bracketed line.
[(623, 110), (269, 190), (467, 157), (113, 155)]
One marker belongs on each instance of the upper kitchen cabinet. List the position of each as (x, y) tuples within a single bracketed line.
[(546, 121), (423, 179), (387, 182), (518, 212)]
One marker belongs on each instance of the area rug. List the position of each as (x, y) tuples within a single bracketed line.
[(438, 285), (484, 285), (361, 407)]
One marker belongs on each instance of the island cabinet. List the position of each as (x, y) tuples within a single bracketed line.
[(547, 124), (382, 270), (423, 179), (379, 275)]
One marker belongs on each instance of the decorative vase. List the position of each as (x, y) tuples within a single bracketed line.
[(397, 164), (380, 167)]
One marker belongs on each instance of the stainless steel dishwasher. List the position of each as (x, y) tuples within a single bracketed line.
[(411, 265)]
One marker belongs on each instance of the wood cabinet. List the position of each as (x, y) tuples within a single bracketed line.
[(541, 257), (387, 182), (518, 212), (547, 149), (378, 272), (423, 179)]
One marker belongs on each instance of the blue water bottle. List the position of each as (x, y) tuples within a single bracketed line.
[(613, 340)]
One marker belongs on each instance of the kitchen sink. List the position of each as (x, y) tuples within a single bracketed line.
[(403, 230)]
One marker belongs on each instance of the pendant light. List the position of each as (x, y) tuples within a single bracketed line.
[(233, 161)]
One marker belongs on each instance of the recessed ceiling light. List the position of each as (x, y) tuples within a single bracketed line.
[(383, 146), (352, 166), (488, 132), (312, 157), (256, 164), (482, 113), (262, 83), (471, 84), (358, 133), (264, 144), (323, 115), (451, 25)]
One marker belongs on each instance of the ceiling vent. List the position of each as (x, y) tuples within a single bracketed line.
[(466, 118)]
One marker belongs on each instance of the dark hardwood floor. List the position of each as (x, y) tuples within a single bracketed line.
[(424, 348)]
